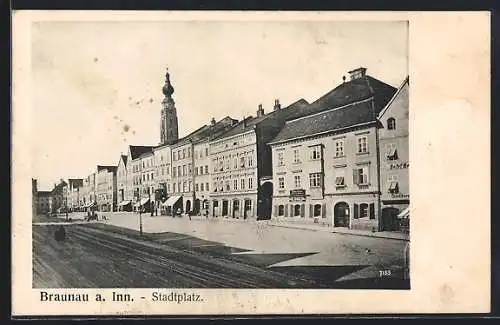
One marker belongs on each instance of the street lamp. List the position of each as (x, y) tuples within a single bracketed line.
[(140, 213)]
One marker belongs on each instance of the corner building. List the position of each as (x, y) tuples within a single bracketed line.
[(325, 165)]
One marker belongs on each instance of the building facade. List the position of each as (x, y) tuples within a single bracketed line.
[(44, 202), (394, 157), (75, 189), (89, 192), (326, 164), (124, 204), (59, 196), (148, 185), (163, 179), (106, 188)]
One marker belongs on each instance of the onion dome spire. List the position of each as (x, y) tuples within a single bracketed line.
[(168, 89)]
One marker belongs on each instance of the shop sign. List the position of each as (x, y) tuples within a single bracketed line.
[(300, 193), (404, 165), (400, 196)]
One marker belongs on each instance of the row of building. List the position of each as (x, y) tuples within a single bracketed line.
[(340, 160)]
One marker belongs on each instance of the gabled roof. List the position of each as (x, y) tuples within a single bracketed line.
[(405, 82), (327, 121), (209, 131), (137, 151), (124, 158), (248, 124)]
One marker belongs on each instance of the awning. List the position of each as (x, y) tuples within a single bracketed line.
[(172, 200), (405, 213), (143, 201), (122, 203)]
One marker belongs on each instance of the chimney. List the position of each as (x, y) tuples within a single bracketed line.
[(357, 73), (212, 121), (277, 104), (260, 111)]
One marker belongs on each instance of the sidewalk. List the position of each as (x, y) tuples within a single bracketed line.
[(340, 230)]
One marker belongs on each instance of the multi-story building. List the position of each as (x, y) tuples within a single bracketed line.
[(106, 188), (89, 192), (325, 165), (162, 154), (148, 185), (59, 196), (124, 202), (74, 187), (44, 202), (136, 172), (241, 162), (394, 157)]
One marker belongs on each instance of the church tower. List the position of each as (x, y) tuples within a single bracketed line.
[(169, 129)]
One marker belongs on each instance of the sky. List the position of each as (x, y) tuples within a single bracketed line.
[(96, 86)]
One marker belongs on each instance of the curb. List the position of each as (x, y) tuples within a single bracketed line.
[(341, 232)]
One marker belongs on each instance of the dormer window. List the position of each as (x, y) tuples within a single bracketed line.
[(391, 123)]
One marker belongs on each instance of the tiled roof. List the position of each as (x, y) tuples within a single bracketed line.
[(326, 121), (290, 111), (136, 151), (210, 131), (354, 91)]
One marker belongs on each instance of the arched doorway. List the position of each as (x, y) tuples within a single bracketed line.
[(389, 219), (236, 209), (265, 203), (188, 205), (341, 215)]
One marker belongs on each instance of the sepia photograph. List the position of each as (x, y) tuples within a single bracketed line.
[(249, 163), (165, 158)]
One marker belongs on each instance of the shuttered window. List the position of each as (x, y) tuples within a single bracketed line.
[(372, 211), (356, 211)]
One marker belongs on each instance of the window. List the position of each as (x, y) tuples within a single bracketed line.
[(190, 169), (363, 210), (315, 152), (226, 167), (206, 151), (393, 184), (189, 152), (296, 180), (235, 184), (183, 153), (317, 210), (250, 183), (362, 144), (281, 182), (339, 178), (250, 161), (196, 171), (280, 159), (296, 210), (190, 187), (235, 163), (228, 187), (202, 187), (360, 176), (391, 151), (179, 171), (206, 169), (184, 170), (206, 187), (315, 180), (175, 156), (184, 186), (242, 162), (281, 210), (175, 187), (242, 183), (196, 187), (174, 170), (391, 123), (296, 156), (339, 148), (168, 170), (168, 188)]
